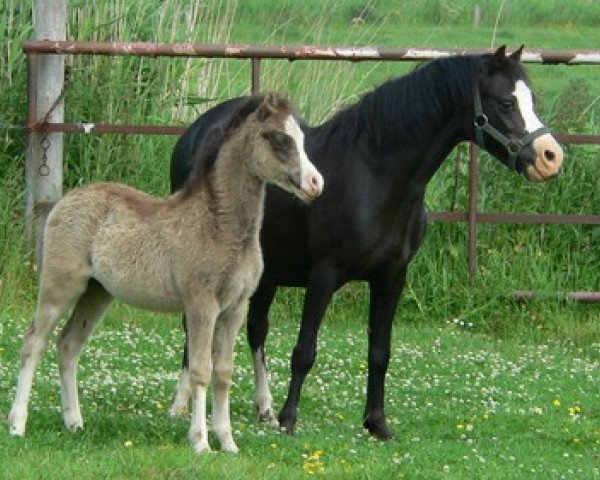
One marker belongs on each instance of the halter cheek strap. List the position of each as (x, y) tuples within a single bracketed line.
[(513, 147)]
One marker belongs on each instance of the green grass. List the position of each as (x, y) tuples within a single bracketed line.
[(462, 405), (473, 376)]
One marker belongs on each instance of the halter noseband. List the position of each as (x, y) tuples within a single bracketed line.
[(513, 147)]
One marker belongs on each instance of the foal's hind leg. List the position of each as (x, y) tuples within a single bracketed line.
[(88, 311), (57, 293), (226, 329)]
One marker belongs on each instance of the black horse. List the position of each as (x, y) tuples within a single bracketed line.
[(376, 157)]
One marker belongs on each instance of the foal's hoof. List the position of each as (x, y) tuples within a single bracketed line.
[(378, 428), (73, 421), (178, 411), (16, 424), (201, 447), (16, 430), (74, 427), (229, 447)]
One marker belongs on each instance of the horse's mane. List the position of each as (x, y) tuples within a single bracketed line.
[(203, 159), (408, 107)]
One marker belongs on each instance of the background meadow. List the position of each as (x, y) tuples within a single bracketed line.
[(479, 386)]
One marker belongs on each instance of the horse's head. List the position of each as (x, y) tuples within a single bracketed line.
[(506, 124), (278, 155)]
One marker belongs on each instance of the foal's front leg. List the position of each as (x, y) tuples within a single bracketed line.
[(226, 330), (201, 315)]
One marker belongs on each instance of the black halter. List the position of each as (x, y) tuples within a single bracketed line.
[(513, 147)]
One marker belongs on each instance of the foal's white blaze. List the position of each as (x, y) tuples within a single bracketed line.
[(548, 153), (311, 179)]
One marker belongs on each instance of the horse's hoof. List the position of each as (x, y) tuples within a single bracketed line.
[(266, 416), (378, 428), (287, 424)]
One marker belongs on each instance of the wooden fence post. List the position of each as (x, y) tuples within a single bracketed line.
[(44, 156)]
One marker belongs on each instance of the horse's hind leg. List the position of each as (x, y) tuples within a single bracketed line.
[(258, 328), (57, 294), (86, 314), (226, 329), (182, 391)]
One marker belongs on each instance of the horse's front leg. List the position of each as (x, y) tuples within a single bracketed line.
[(321, 285), (201, 315), (258, 328), (385, 293), (226, 329)]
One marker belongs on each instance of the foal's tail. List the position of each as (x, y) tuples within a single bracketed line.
[(41, 211)]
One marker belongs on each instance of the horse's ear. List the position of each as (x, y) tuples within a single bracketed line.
[(500, 55), (516, 55), (497, 61)]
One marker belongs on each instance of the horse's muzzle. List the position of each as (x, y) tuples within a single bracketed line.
[(548, 159)]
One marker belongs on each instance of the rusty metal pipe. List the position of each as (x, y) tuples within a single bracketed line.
[(255, 76), (584, 297), (294, 52), (472, 214)]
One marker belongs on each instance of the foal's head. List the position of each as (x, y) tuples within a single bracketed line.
[(506, 124), (278, 154)]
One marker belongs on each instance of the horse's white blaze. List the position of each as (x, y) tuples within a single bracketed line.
[(525, 102), (549, 154), (312, 181)]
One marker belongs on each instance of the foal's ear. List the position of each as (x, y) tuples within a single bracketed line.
[(516, 55), (266, 108)]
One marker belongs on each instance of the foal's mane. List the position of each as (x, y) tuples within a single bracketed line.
[(407, 107), (204, 158)]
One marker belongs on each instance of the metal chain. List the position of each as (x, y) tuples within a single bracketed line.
[(45, 144)]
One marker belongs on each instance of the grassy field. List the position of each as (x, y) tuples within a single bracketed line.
[(479, 386), (462, 405)]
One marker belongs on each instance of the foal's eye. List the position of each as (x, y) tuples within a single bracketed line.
[(278, 140), (507, 104)]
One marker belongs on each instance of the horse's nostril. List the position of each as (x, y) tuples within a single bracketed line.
[(549, 155), (315, 184)]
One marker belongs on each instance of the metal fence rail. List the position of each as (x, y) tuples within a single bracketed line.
[(255, 53)]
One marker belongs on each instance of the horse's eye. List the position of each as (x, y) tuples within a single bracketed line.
[(507, 104)]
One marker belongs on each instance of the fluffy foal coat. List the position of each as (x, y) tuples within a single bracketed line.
[(196, 251)]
